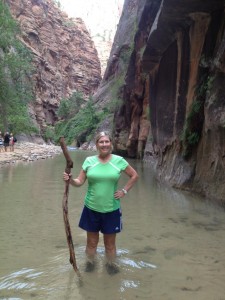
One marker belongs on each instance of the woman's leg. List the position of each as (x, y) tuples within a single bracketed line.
[(91, 247), (92, 243), (110, 246), (110, 250)]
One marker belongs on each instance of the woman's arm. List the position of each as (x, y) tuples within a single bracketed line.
[(80, 180), (133, 178)]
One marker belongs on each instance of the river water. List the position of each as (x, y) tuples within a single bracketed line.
[(171, 247)]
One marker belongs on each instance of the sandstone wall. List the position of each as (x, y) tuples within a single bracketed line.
[(65, 57), (172, 109)]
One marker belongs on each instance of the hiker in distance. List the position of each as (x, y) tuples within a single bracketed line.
[(102, 210)]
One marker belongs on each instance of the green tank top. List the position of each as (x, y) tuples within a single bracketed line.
[(102, 182)]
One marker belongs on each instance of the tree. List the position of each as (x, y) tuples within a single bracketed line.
[(80, 126), (15, 76), (70, 107)]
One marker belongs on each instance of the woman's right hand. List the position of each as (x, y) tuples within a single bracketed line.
[(66, 176)]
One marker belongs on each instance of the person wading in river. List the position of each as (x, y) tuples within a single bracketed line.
[(102, 211)]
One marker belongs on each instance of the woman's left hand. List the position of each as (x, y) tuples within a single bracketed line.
[(119, 194)]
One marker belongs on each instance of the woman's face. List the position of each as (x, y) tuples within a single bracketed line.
[(104, 145)]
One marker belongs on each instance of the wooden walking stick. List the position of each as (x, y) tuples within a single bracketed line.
[(69, 165)]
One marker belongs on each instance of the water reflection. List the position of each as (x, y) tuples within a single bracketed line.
[(172, 245)]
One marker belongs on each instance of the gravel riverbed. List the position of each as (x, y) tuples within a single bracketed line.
[(28, 152)]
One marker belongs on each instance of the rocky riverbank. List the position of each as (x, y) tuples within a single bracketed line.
[(28, 152)]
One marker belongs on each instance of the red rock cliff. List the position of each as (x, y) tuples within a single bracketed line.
[(65, 58), (167, 67)]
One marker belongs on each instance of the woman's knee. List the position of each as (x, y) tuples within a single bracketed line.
[(110, 242), (92, 240)]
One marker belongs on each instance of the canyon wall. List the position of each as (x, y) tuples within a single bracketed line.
[(101, 19), (166, 73), (65, 58)]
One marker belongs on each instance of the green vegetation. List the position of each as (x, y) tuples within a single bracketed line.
[(57, 3), (126, 51), (192, 128), (80, 119), (193, 125), (116, 101), (49, 133), (15, 76), (125, 56), (119, 81), (68, 23), (70, 107)]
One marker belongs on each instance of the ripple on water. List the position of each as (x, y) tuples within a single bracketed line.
[(129, 283), (55, 278)]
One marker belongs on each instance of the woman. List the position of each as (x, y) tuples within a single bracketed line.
[(11, 142), (102, 212)]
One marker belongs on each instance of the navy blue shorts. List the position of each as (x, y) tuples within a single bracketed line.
[(107, 223)]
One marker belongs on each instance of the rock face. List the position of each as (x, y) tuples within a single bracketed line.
[(65, 58), (101, 19), (167, 67), (104, 28)]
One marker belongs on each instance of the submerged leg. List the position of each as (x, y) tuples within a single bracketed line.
[(91, 247), (110, 246), (110, 250)]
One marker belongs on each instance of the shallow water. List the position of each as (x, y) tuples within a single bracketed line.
[(172, 245)]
